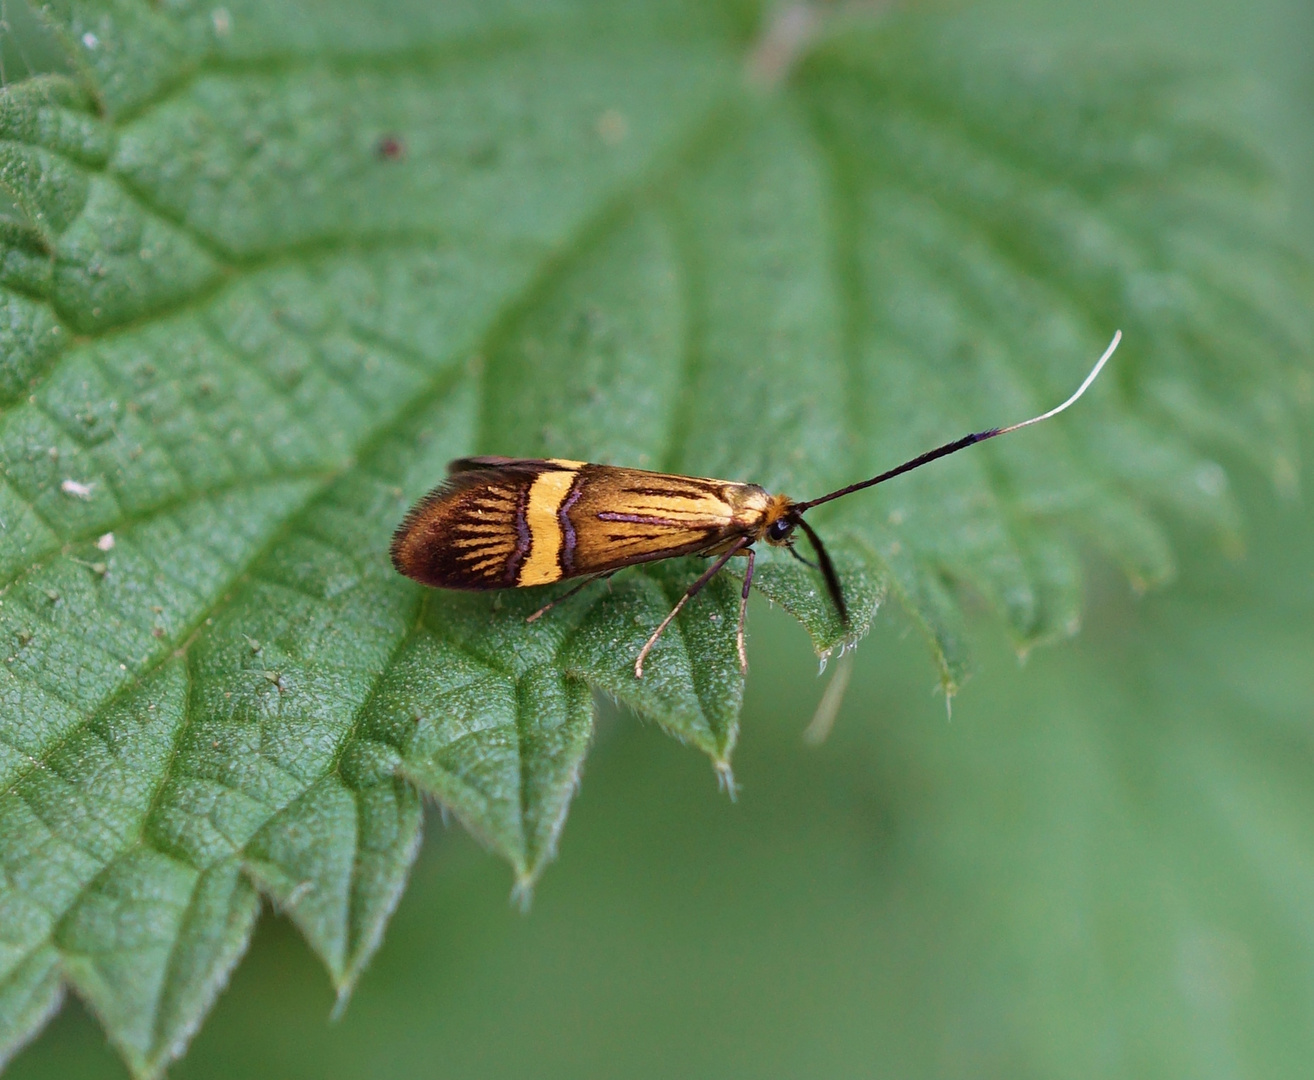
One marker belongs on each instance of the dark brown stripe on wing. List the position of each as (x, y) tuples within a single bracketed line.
[(523, 536), (687, 491), (567, 554), (639, 519)]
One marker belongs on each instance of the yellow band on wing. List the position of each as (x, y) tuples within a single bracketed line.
[(545, 498)]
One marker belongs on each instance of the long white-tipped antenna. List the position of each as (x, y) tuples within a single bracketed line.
[(966, 440)]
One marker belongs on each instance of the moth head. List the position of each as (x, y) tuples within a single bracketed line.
[(780, 521)]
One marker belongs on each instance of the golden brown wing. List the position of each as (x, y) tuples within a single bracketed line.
[(508, 522)]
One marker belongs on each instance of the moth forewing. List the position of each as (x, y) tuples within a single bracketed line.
[(499, 523)]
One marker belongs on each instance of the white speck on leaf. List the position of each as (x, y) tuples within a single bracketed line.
[(75, 488), (106, 542), (1211, 479)]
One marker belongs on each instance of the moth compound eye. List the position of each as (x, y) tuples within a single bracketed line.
[(778, 531)]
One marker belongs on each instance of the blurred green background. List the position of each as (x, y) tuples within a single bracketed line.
[(1102, 866)]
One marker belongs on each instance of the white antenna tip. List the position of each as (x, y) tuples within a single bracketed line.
[(1099, 366)]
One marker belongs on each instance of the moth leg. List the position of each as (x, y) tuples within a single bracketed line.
[(567, 595), (743, 610), (691, 592), (804, 560)]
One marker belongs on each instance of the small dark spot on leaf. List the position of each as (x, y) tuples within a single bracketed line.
[(390, 148), (485, 154)]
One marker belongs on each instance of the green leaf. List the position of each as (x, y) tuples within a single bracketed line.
[(271, 267)]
